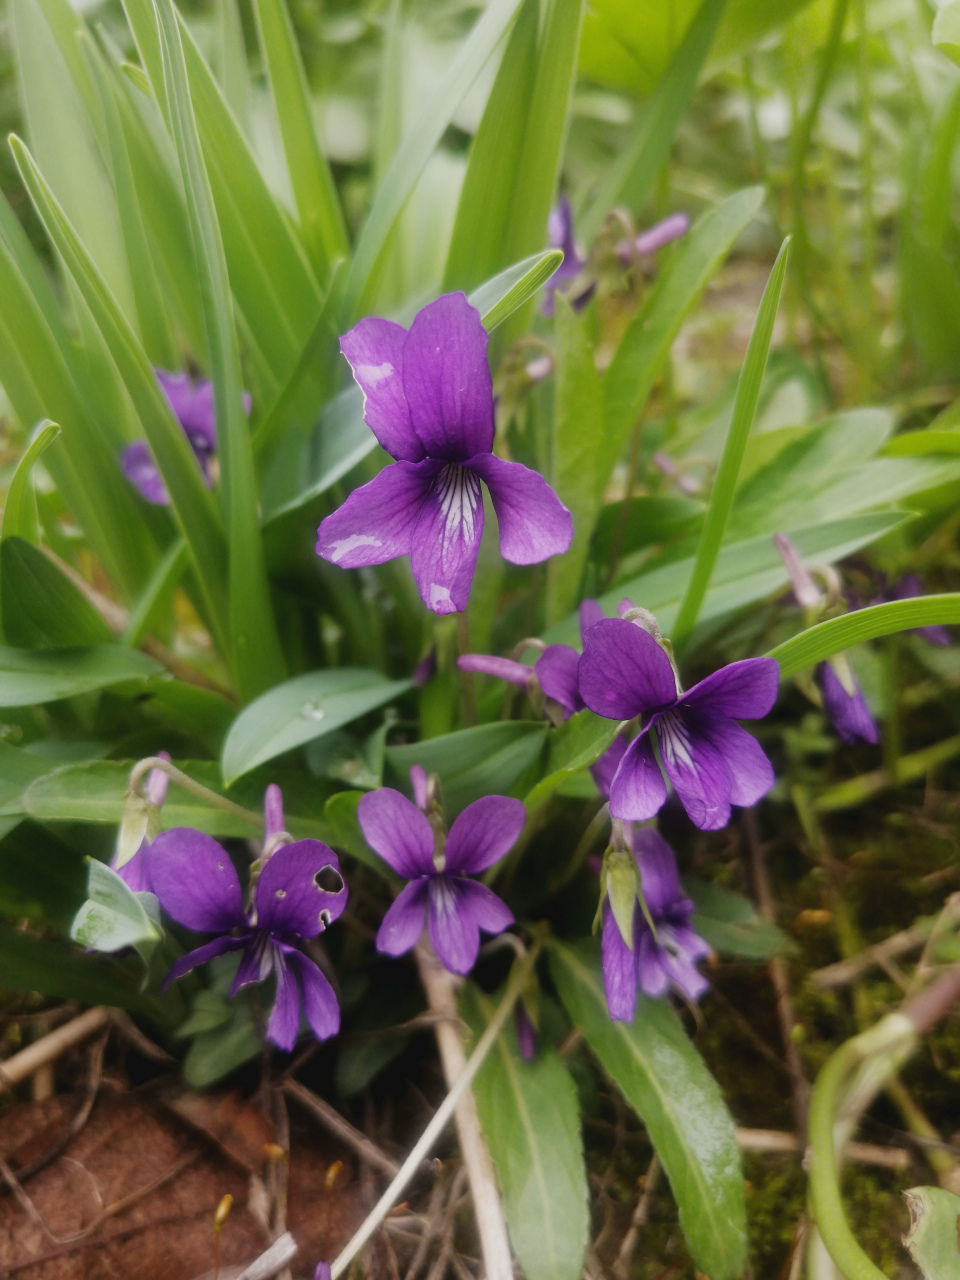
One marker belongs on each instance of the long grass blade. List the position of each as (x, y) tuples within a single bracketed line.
[(257, 658), (725, 484)]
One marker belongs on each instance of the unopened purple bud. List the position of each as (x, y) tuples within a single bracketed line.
[(322, 1271), (526, 1033), (418, 780), (503, 668), (425, 669), (157, 782), (624, 606), (664, 463), (595, 863), (272, 811), (657, 236), (805, 590)]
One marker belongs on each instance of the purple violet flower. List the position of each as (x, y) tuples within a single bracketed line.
[(322, 1271), (192, 405), (428, 398), (437, 866), (710, 760), (197, 886), (134, 870), (656, 960), (555, 672), (846, 707), (656, 237), (561, 236)]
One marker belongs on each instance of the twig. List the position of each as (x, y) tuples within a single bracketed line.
[(775, 1142), (440, 988), (777, 969), (23, 1064), (433, 1220), (624, 1261), (441, 1116), (448, 1227), (332, 1120), (25, 1203), (843, 972)]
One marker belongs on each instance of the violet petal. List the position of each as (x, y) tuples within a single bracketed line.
[(638, 790), (418, 780), (283, 1024), (534, 524), (483, 833), (195, 881), (402, 926), (377, 521), (446, 380), (289, 897), (590, 613), (699, 772), (200, 955), (490, 913), (619, 969), (446, 539), (744, 690), (849, 716), (134, 873), (751, 773), (624, 671), (652, 975), (374, 349), (141, 470), (272, 811), (557, 670), (317, 996), (659, 878), (489, 664), (453, 930), (396, 829), (604, 770)]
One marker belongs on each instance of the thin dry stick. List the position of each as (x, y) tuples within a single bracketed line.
[(843, 972), (440, 987), (431, 1225), (621, 1268), (343, 1129), (448, 1228), (774, 1141), (800, 1086), (46, 1050)]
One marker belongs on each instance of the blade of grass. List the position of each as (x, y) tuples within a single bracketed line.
[(318, 204), (478, 247), (728, 472), (826, 638), (157, 594), (257, 658), (192, 502), (498, 298), (630, 177), (20, 507), (416, 148)]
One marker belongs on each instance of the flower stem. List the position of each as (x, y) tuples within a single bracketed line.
[(468, 690), (143, 767), (441, 990), (441, 1116)]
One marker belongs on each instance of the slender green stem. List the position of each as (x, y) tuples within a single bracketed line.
[(155, 596), (825, 1198), (725, 484), (468, 689), (442, 1115), (143, 767)]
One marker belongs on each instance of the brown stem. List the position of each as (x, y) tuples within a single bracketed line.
[(440, 987)]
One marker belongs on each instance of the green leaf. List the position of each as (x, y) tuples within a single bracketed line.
[(343, 832), (934, 1236), (302, 470), (192, 502), (20, 507), (415, 150), (664, 1079), (630, 178), (18, 769), (531, 1120), (646, 343), (745, 571), (114, 917), (479, 241), (96, 792), (577, 426), (318, 205), (946, 30), (826, 638), (55, 969), (214, 1054), (52, 898), (499, 297), (27, 678), (725, 482), (920, 443), (302, 709), (544, 128), (157, 595), (485, 760), (254, 642), (732, 925), (42, 608), (576, 744)]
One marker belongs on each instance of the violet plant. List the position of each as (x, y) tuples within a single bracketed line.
[(371, 336)]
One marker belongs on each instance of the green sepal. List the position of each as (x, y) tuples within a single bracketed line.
[(621, 869)]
